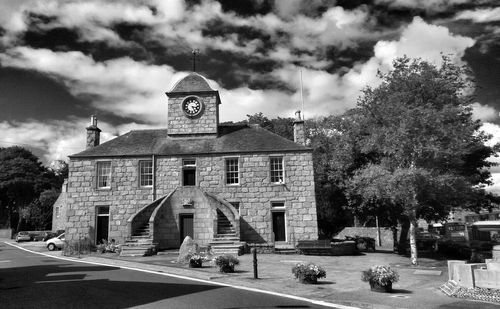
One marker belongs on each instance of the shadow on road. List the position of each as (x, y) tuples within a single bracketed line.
[(66, 285)]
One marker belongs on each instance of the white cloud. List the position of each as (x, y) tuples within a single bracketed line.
[(480, 15), (484, 112), (426, 41), (327, 93), (135, 89), (120, 86), (494, 131)]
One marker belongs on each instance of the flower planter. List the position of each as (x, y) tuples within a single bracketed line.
[(377, 287), (308, 280), (195, 263), (226, 269)]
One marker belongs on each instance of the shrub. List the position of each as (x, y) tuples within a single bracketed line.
[(112, 247), (380, 274), (308, 273), (75, 247), (226, 263), (196, 260)]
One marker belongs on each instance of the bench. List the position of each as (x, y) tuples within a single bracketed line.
[(325, 247)]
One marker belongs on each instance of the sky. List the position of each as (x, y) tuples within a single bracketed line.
[(63, 61)]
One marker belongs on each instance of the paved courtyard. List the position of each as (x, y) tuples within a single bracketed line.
[(417, 287)]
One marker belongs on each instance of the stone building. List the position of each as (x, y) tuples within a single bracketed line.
[(59, 209), (213, 182)]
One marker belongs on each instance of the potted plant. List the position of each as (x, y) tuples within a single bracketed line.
[(380, 278), (309, 273), (195, 261), (226, 263)]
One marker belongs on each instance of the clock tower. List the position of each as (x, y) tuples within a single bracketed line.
[(193, 108)]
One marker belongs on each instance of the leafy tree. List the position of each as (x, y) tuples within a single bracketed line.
[(40, 210), (22, 179), (280, 126), (430, 154)]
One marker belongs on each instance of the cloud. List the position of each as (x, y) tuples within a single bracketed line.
[(484, 112), (480, 15), (429, 5), (426, 41), (55, 140), (327, 93), (134, 89), (493, 130), (120, 86)]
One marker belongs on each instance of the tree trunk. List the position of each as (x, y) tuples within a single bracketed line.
[(395, 239), (413, 242), (403, 237), (19, 222)]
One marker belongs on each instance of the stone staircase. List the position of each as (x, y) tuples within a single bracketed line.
[(140, 243), (284, 248), (449, 288), (226, 241)]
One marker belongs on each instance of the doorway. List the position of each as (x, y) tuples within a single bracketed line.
[(186, 225), (279, 226), (102, 224)]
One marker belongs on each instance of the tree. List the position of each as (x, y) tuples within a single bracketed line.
[(40, 210), (22, 179), (280, 126), (430, 153)]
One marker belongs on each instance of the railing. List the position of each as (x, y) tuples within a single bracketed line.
[(142, 217)]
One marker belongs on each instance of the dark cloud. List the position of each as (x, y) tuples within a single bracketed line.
[(35, 91), (246, 8), (486, 70), (217, 28), (344, 59), (353, 4), (29, 99), (245, 71)]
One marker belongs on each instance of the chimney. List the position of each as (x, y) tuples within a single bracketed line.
[(299, 135), (93, 133)]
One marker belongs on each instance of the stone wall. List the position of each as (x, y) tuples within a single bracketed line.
[(386, 235), (59, 222), (254, 193), (206, 123), (6, 233)]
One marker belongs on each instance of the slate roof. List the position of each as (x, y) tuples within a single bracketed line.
[(231, 139), (194, 82)]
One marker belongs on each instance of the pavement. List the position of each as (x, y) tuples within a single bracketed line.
[(417, 287)]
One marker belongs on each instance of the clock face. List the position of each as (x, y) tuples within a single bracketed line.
[(192, 106)]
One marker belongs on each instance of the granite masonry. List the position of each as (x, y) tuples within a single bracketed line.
[(195, 178)]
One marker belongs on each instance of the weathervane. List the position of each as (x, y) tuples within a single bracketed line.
[(195, 52)]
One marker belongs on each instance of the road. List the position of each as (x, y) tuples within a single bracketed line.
[(29, 280)]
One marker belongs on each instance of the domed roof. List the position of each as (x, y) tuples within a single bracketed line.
[(194, 82)]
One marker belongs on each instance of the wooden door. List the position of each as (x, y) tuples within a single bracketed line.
[(186, 223), (279, 226)]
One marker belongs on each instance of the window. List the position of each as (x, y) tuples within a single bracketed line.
[(232, 171), (277, 205), (146, 173), (189, 172), (58, 212), (103, 175), (276, 169)]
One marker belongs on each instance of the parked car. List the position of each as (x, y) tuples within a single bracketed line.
[(39, 236), (23, 236), (50, 235), (55, 243)]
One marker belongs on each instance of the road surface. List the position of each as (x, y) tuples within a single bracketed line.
[(29, 280)]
